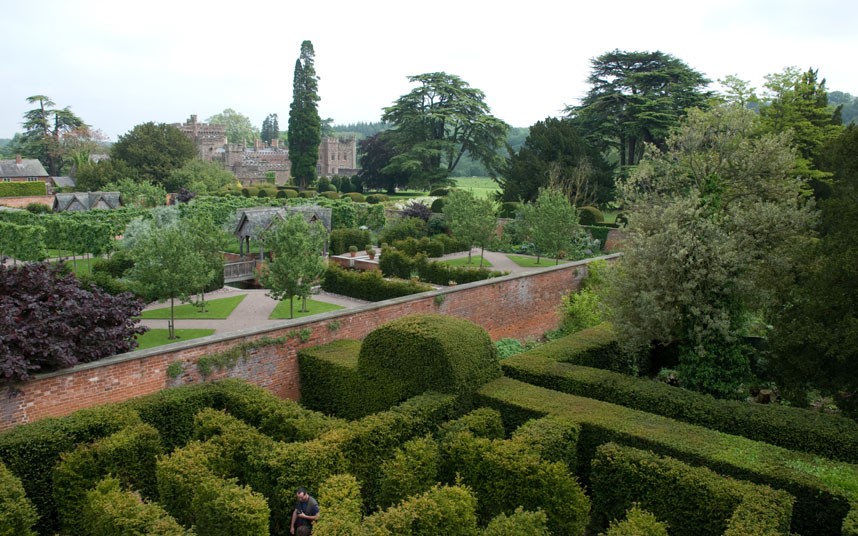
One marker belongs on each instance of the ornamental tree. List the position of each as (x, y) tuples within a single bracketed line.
[(305, 125), (49, 321), (472, 220)]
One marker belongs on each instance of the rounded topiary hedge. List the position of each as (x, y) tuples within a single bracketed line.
[(590, 215), (417, 353)]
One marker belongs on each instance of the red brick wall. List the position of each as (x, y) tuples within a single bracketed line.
[(512, 306)]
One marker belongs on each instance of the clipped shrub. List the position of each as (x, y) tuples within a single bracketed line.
[(369, 286), (440, 273), (402, 228), (520, 523), (592, 347), (599, 232), (17, 513), (374, 199), (117, 265), (395, 263), (172, 411), (412, 470), (424, 515), (589, 215), (29, 449), (431, 247), (128, 455), (503, 472), (329, 379), (509, 209), (307, 194), (289, 193), (482, 422), (109, 511), (637, 523), (341, 496), (341, 239), (281, 194), (324, 184), (37, 208), (22, 189), (330, 195), (692, 500), (553, 437), (410, 355), (439, 192), (437, 206), (263, 193), (355, 197), (252, 191)]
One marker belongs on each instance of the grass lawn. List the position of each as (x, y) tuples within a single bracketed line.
[(463, 261), (218, 309), (481, 187), (313, 308), (530, 262), (158, 337)]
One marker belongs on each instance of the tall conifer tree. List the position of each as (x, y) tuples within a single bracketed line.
[(305, 126)]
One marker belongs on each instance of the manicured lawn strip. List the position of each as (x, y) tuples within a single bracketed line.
[(792, 428), (158, 337), (823, 488), (530, 262), (313, 308), (463, 261), (481, 187), (218, 309)]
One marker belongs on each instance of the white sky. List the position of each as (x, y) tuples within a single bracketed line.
[(120, 63)]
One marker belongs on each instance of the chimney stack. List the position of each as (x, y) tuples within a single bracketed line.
[(18, 159)]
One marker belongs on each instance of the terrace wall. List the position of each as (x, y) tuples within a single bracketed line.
[(518, 306)]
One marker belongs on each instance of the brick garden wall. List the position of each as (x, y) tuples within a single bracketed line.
[(517, 306)]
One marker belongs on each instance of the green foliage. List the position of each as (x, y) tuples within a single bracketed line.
[(412, 470), (17, 514), (798, 429), (374, 199), (502, 472), (341, 239), (154, 151), (481, 422), (449, 507), (508, 348), (329, 380), (551, 223), (138, 193), (394, 356), (589, 215), (850, 522), (580, 310), (341, 496), (508, 209), (109, 511), (638, 522), (209, 363), (175, 369), (692, 500), (472, 220), (305, 125), (403, 228), (823, 488), (593, 347), (437, 206), (554, 438), (23, 242), (239, 128), (128, 455), (355, 197), (369, 285), (520, 522), (394, 263), (22, 189)]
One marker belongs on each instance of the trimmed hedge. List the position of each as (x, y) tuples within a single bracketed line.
[(437, 206), (341, 239), (416, 353), (23, 242), (793, 428), (503, 473), (592, 347), (355, 197), (553, 437), (598, 232), (693, 501), (129, 455), (172, 411), (637, 523), (412, 470), (590, 215), (431, 247), (374, 199), (23, 189), (329, 379), (482, 422), (368, 285), (109, 511), (441, 510), (850, 523), (343, 506), (520, 523), (396, 263), (17, 514), (823, 489), (31, 450), (194, 495)]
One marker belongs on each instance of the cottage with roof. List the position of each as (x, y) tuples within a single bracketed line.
[(23, 170), (79, 201), (252, 222)]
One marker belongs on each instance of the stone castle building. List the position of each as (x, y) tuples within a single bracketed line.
[(337, 156)]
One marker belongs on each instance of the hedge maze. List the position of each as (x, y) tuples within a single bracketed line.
[(418, 430)]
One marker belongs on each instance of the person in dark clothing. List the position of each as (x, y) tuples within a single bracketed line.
[(305, 514)]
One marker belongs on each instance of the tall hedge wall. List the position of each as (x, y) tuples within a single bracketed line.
[(794, 428), (823, 488), (22, 189), (17, 513), (107, 510), (416, 353), (694, 501)]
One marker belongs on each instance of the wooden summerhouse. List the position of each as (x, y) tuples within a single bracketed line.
[(252, 222)]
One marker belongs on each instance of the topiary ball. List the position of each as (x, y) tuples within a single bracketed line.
[(430, 352), (590, 215), (437, 206)]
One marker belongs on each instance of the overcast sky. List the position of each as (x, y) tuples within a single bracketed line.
[(118, 63)]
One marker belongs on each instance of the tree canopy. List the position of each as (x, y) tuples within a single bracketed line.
[(437, 123), (472, 220), (551, 222), (153, 151), (636, 98), (239, 128), (45, 128), (305, 125), (376, 153), (270, 129)]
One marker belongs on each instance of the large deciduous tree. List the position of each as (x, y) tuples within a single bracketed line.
[(297, 249), (816, 333), (376, 152), (636, 98), (437, 123), (239, 128), (554, 151), (305, 130), (44, 129), (711, 223), (201, 177), (153, 151), (49, 321), (472, 220)]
